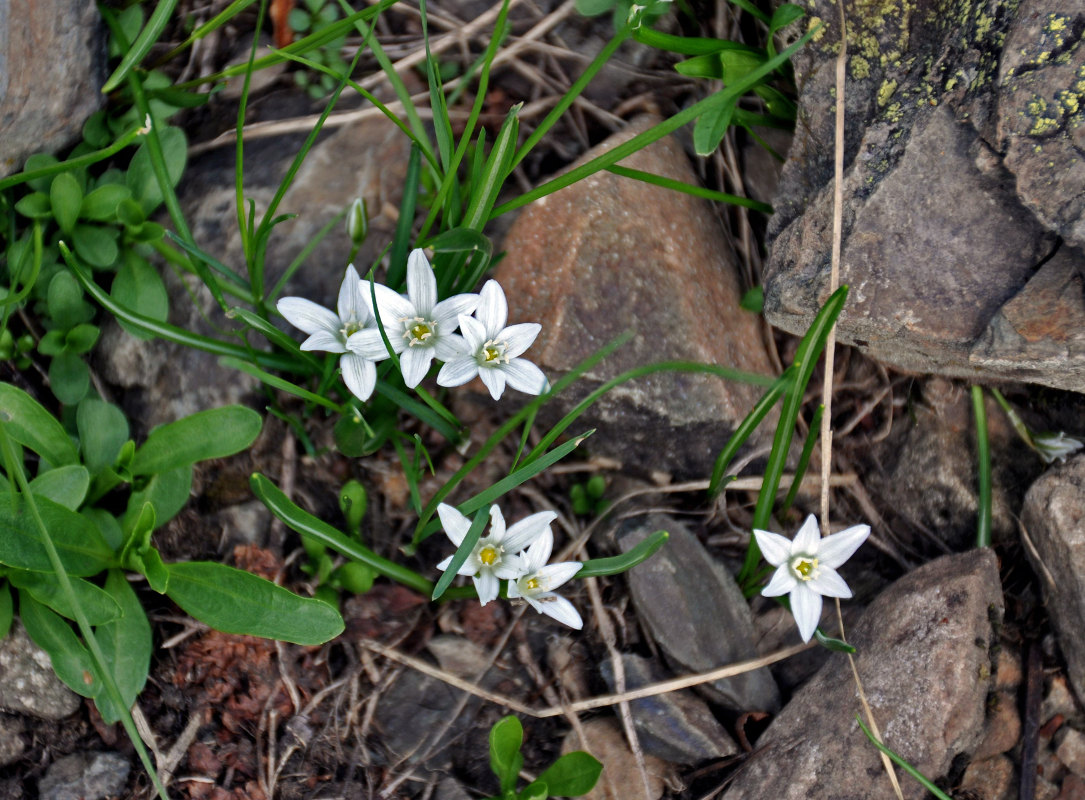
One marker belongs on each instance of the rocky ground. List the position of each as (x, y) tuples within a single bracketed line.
[(971, 660)]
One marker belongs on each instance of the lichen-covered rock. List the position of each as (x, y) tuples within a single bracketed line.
[(963, 166), (1053, 519), (924, 656), (28, 684), (610, 255)]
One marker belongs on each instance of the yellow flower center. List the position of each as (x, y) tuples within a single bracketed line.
[(491, 353), (348, 329), (805, 568), (488, 555), (418, 330), (532, 584)]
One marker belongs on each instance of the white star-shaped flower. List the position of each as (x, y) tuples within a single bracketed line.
[(339, 333), (495, 557), (1054, 446), (806, 568), (418, 327), (491, 349), (540, 579)]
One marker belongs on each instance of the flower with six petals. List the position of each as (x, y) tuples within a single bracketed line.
[(339, 333), (492, 350), (540, 579), (806, 568), (418, 327), (495, 557)]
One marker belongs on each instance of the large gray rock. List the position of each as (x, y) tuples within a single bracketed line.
[(963, 166), (1053, 519), (924, 655), (28, 684), (696, 613), (52, 67), (609, 255)]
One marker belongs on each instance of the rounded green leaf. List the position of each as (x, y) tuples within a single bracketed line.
[(28, 423), (101, 204), (572, 775), (506, 738), (70, 659), (35, 206), (141, 176), (130, 212), (127, 644), (65, 301), (235, 601), (65, 197), (167, 492), (95, 131), (216, 433), (97, 246), (69, 378), (37, 161), (98, 606), (103, 428), (78, 542), (592, 8), (64, 485), (82, 338), (138, 285)]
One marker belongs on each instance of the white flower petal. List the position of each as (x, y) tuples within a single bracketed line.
[(359, 374), (829, 583), (806, 609), (415, 361), (446, 312), (834, 550), (494, 379), (511, 568), (554, 575), (448, 346), (445, 563), (560, 609), (775, 548), (457, 372), (493, 310), (421, 283), (539, 552), (324, 340), (351, 306), (497, 526), (307, 315), (487, 585), (392, 307), (369, 344), (474, 333), (527, 530), (455, 524), (524, 376), (806, 540), (519, 338), (782, 582)]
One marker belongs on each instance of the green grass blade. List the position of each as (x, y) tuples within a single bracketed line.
[(804, 457), (143, 43), (598, 567), (80, 162), (687, 188), (474, 533), (401, 240), (745, 430), (926, 782), (275, 382)]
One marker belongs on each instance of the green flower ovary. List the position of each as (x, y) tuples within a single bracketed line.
[(805, 568)]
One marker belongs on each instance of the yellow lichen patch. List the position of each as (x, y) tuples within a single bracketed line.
[(860, 68), (885, 91)]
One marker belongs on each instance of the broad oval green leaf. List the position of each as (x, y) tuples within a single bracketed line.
[(216, 433), (167, 492), (80, 546), (506, 738), (234, 601), (28, 423), (103, 429), (101, 204), (138, 285), (126, 644), (65, 485), (141, 175), (98, 606), (95, 245), (69, 378), (572, 775), (65, 198), (71, 660)]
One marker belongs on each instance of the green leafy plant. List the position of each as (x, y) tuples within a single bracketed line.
[(572, 775), (315, 16), (587, 497)]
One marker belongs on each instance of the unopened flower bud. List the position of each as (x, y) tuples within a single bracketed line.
[(358, 221)]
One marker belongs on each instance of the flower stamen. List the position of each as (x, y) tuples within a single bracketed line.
[(488, 555), (418, 330), (805, 569)]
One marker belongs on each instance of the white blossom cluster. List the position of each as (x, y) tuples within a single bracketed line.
[(517, 555), (419, 328)]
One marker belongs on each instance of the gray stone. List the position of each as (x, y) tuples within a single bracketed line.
[(958, 177), (450, 789), (676, 726), (609, 255), (11, 741), (990, 779), (28, 684), (924, 655), (84, 776), (621, 776), (1053, 519), (52, 67), (696, 613)]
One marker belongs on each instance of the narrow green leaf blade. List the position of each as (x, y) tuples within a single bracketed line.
[(126, 643), (98, 606), (71, 660), (597, 567)]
